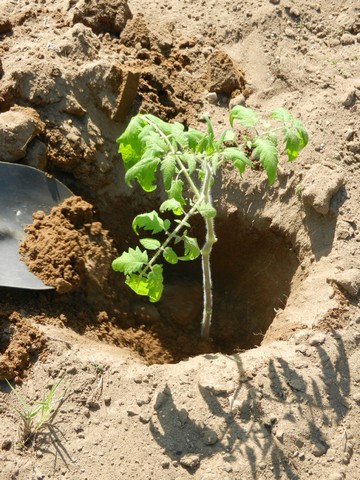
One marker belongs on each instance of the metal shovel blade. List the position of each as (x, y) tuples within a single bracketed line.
[(23, 190)]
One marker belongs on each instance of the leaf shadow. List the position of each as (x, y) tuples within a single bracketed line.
[(247, 431)]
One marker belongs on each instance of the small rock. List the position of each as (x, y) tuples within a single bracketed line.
[(17, 128), (336, 476), (349, 134), (145, 418), (280, 435), (301, 456), (5, 25), (275, 2), (289, 32), (349, 99), (190, 461), (224, 75), (356, 398), (238, 100), (347, 39), (210, 437), (165, 464), (349, 280), (212, 98), (107, 401), (6, 444), (319, 449), (319, 186), (317, 339)]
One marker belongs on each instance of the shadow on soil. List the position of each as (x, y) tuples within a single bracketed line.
[(248, 434)]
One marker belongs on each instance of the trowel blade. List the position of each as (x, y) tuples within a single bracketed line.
[(23, 190)]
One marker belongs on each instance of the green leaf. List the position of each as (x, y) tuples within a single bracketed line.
[(266, 152), (191, 249), (150, 243), (173, 205), (175, 191), (281, 115), (295, 139), (226, 136), (190, 160), (168, 167), (150, 285), (170, 256), (194, 137), (144, 172), (131, 261), (130, 145), (206, 210), (150, 221), (246, 116), (238, 158)]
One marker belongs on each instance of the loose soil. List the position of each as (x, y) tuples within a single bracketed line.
[(276, 393)]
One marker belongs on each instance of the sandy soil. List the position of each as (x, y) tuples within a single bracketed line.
[(277, 393)]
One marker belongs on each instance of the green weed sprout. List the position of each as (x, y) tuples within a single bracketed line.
[(38, 417), (188, 161)]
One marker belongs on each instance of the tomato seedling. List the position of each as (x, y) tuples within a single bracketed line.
[(189, 161)]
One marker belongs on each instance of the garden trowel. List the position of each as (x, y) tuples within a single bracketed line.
[(23, 190)]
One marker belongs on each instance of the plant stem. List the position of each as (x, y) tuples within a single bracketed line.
[(190, 213), (205, 255)]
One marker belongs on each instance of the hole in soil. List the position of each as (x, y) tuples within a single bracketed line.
[(252, 271)]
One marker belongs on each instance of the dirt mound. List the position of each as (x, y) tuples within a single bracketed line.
[(67, 248)]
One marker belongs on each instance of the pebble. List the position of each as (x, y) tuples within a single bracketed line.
[(275, 2), (317, 339), (212, 98), (349, 99), (190, 461), (6, 444), (238, 100), (289, 32), (210, 437), (347, 39), (318, 449)]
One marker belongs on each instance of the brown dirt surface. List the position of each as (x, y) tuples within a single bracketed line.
[(276, 393)]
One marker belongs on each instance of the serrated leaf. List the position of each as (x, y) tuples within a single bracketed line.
[(281, 115), (238, 157), (246, 116), (266, 151), (131, 147), (295, 139), (131, 261), (191, 249), (190, 161), (150, 221), (144, 172), (150, 285), (206, 210), (194, 137), (172, 205), (226, 136), (175, 191), (150, 243), (170, 256), (168, 167)]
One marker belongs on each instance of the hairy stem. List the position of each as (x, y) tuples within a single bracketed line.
[(205, 255)]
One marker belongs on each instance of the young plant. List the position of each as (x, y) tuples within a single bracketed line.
[(39, 416), (188, 161)]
